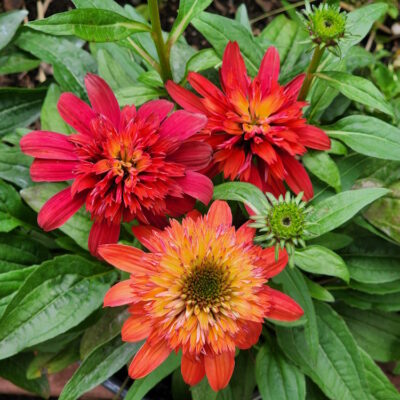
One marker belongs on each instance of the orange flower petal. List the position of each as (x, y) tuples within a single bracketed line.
[(126, 258), (135, 328), (219, 369), (248, 335), (283, 308), (192, 370), (219, 214), (119, 294), (270, 265), (148, 358)]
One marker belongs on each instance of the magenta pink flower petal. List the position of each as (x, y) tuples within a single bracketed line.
[(49, 145), (53, 170), (194, 155), (102, 232), (75, 112), (315, 138), (161, 108), (59, 209), (196, 185), (102, 98), (181, 125)]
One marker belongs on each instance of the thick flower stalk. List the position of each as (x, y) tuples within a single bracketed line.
[(201, 289), (255, 126), (123, 164)]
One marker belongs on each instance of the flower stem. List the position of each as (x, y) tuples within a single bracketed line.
[(316, 58), (159, 41)]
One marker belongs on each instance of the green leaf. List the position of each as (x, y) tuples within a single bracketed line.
[(323, 167), (109, 5), (50, 119), (14, 370), (364, 301), (243, 380), (373, 269), (219, 31), (242, 16), (334, 211), (338, 370), (9, 23), (13, 61), (377, 332), (47, 297), (294, 286), (70, 63), (188, 10), (359, 23), (14, 165), (142, 386), (179, 388), (332, 240), (277, 379), (103, 362), (111, 71), (181, 53), (137, 94), (244, 192), (93, 25), (318, 292), (379, 385), (12, 211), (77, 227), (357, 89), (105, 329), (19, 107), (377, 288), (322, 261), (367, 135), (202, 60), (203, 391)]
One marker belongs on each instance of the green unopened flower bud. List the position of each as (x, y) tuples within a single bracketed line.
[(283, 223), (326, 24)]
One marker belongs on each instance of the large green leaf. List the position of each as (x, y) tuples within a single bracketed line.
[(338, 370), (323, 167), (219, 31), (77, 227), (378, 383), (19, 107), (202, 60), (142, 386), (137, 94), (373, 269), (14, 165), (377, 332), (14, 369), (105, 329), (322, 261), (57, 296), (357, 89), (70, 63), (9, 23), (13, 60), (367, 135), (94, 25), (334, 211), (243, 380), (13, 212), (100, 364), (244, 192), (109, 5), (277, 379), (188, 9), (295, 286), (50, 119)]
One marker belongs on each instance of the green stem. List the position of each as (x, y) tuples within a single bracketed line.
[(146, 56), (159, 41), (316, 58)]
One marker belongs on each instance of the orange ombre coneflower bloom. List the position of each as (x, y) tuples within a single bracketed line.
[(202, 290), (256, 127), (123, 164)]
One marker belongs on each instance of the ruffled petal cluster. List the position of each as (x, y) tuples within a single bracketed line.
[(255, 126), (122, 164), (201, 289)]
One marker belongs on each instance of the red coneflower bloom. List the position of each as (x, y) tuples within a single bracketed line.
[(124, 165), (202, 290), (255, 126)]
